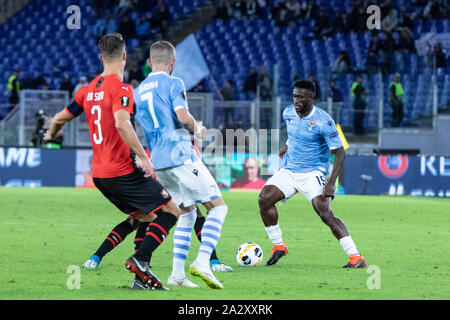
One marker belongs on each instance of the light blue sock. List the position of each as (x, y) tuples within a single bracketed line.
[(182, 242), (211, 231)]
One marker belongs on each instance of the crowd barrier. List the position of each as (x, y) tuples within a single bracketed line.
[(372, 175)]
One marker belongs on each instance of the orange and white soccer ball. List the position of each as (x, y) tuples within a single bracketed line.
[(249, 254)]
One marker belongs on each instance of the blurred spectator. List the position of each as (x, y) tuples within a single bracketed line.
[(127, 28), (200, 87), (262, 73), (358, 93), (66, 85), (83, 82), (318, 97), (143, 28), (88, 181), (99, 6), (385, 47), (293, 8), (334, 93), (161, 17), (405, 25), (146, 69), (436, 59), (228, 95), (440, 59), (251, 9), (308, 9), (371, 64), (104, 26), (249, 178), (42, 125), (431, 10), (265, 89), (322, 25), (228, 91), (358, 18), (238, 9), (224, 10), (124, 7), (390, 22), (396, 100), (337, 23), (342, 63), (250, 84), (13, 89), (135, 72), (385, 7), (143, 5), (280, 14)]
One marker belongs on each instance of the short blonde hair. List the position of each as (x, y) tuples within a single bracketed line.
[(162, 52)]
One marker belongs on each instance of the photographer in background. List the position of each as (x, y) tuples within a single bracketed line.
[(42, 125)]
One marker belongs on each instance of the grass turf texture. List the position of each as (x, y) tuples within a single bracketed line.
[(43, 231)]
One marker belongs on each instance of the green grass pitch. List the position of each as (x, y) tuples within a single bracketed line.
[(405, 240)]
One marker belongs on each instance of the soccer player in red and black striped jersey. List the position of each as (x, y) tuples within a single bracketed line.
[(108, 104), (123, 229)]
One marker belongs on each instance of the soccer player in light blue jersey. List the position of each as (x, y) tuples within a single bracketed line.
[(312, 137), (163, 114)]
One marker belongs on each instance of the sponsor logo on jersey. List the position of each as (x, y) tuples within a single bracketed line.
[(334, 134), (195, 171), (312, 124)]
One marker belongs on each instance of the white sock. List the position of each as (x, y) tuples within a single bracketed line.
[(274, 233), (211, 231), (182, 242), (348, 245)]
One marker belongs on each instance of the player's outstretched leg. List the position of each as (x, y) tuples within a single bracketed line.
[(181, 243), (322, 207), (214, 261), (267, 199), (157, 231), (115, 237), (210, 236)]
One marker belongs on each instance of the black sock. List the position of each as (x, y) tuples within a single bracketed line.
[(198, 232), (157, 231), (116, 236), (140, 235)]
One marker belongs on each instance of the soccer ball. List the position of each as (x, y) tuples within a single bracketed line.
[(249, 254)]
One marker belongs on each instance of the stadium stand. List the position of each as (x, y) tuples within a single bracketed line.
[(41, 46)]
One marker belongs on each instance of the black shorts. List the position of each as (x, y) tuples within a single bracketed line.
[(133, 192)]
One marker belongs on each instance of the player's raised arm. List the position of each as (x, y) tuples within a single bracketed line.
[(128, 135)]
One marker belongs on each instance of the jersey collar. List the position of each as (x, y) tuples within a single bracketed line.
[(311, 113), (158, 72)]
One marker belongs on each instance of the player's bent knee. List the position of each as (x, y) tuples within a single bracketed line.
[(214, 203), (265, 200), (172, 208)]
